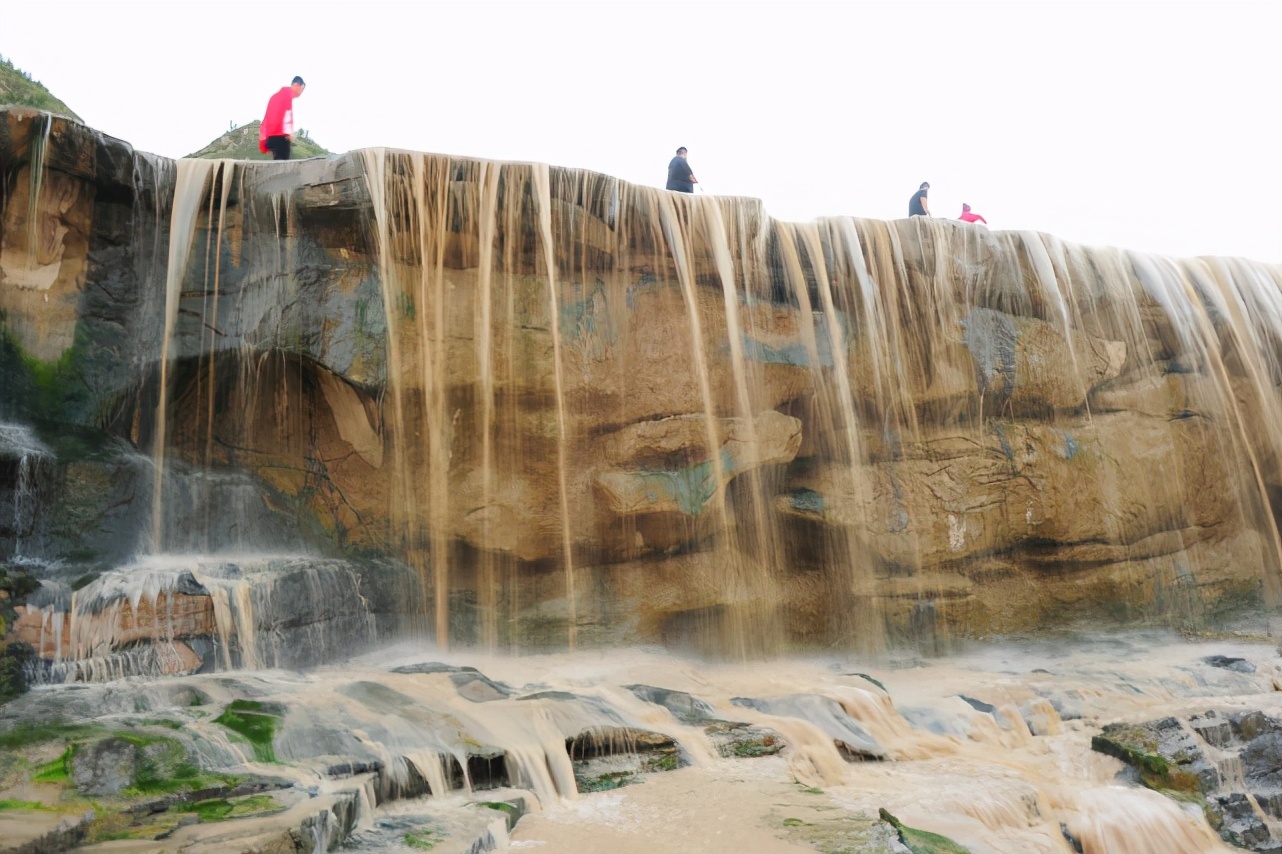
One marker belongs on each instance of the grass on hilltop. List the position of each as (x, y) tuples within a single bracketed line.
[(17, 88)]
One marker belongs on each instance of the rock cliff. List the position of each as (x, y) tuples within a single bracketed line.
[(589, 412)]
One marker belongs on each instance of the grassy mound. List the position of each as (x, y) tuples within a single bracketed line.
[(242, 144)]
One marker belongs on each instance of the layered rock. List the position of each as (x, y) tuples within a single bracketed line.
[(527, 381)]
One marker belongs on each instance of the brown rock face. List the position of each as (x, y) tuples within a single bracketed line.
[(588, 411)]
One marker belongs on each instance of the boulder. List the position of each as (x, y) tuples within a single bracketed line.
[(104, 767)]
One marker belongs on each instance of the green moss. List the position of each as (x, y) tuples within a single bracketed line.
[(604, 782), (924, 842), (26, 806), (793, 822), (164, 722), (810, 790), (664, 762), (752, 748), (57, 771), (221, 809), (38, 732), (256, 723), (423, 839), (921, 841), (1135, 747), (46, 392), (510, 809)]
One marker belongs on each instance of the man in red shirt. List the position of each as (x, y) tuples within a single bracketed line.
[(967, 216), (277, 130)]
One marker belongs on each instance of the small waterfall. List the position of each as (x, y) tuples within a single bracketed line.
[(257, 611), (189, 189), (39, 147), (32, 463), (543, 203)]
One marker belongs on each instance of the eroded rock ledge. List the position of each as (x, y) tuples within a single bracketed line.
[(497, 371)]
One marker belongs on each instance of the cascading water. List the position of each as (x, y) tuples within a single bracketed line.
[(904, 346), (590, 414), (30, 462)]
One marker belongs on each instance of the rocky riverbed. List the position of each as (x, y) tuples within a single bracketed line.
[(1130, 743)]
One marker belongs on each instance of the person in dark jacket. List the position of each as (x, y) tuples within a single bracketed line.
[(917, 205), (680, 176), (277, 131)]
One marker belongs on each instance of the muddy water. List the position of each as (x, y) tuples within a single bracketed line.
[(979, 778), (945, 745)]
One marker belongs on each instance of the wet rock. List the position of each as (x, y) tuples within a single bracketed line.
[(851, 739), (607, 758), (433, 667), (771, 438), (1040, 717), (1239, 824), (979, 705), (1237, 665), (478, 688), (921, 841), (1067, 709), (1248, 725), (84, 310), (1073, 841), (550, 695), (1167, 757), (735, 740), (950, 722), (327, 829), (1262, 760), (1270, 803), (183, 821), (105, 767), (684, 707), (1213, 729)]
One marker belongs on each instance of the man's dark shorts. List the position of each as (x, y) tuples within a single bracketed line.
[(279, 147)]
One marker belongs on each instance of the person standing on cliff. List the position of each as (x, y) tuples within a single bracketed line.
[(917, 205), (276, 134), (970, 216), (680, 175)]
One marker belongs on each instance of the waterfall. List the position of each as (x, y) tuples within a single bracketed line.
[(32, 461), (588, 413)]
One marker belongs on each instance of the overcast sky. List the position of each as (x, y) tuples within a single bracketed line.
[(1149, 125)]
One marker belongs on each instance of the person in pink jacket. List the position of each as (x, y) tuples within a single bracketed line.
[(970, 216)]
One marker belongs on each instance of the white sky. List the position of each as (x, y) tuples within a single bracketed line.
[(1149, 125)]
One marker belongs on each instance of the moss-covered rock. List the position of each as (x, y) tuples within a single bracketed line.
[(1166, 758), (256, 723), (15, 585), (921, 841)]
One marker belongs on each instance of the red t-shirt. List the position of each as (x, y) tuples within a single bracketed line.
[(971, 216), (279, 120)]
